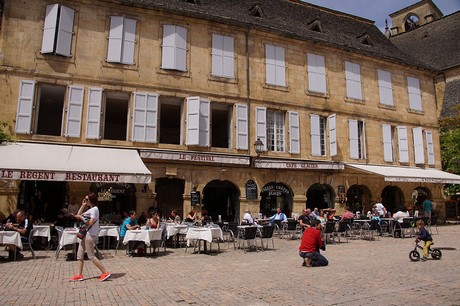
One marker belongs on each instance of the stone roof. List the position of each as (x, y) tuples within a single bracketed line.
[(451, 99), (436, 43), (292, 18)]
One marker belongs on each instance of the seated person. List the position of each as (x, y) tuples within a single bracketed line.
[(174, 217), (310, 245), (278, 217), (304, 219), (191, 217), (130, 223), (330, 212), (205, 217), (247, 218), (11, 218), (347, 215), (154, 221), (142, 218), (23, 227)]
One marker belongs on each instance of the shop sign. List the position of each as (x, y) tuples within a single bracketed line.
[(299, 165), (196, 157), (251, 190), (58, 176), (275, 189)]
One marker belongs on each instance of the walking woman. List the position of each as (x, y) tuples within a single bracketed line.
[(91, 219)]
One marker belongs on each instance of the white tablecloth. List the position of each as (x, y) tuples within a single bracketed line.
[(204, 233), (109, 230), (143, 235), (42, 231), (10, 237), (69, 236), (172, 230)]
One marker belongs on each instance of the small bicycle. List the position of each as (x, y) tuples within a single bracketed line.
[(414, 255)]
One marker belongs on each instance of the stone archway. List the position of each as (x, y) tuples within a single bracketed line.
[(419, 195), (393, 198), (274, 195), (359, 198), (320, 196), (221, 198)]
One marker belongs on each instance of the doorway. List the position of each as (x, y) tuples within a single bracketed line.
[(320, 196), (222, 198), (170, 196)]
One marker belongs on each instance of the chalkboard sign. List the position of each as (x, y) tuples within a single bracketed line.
[(195, 197), (451, 210), (251, 190)]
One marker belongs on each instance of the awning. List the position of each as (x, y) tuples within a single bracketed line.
[(408, 174), (49, 162)]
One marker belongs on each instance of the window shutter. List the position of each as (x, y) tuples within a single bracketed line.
[(332, 135), (413, 88), (261, 125), (270, 65), (353, 79), (205, 123), (353, 135), (49, 28), (25, 107), (280, 73), (385, 87), (129, 41), (387, 143), (316, 73), (217, 57), (74, 111), (403, 144), (242, 127), (228, 57), (430, 147), (65, 31), (417, 134), (181, 48), (315, 135), (145, 117), (115, 39), (294, 133), (193, 121), (93, 117)]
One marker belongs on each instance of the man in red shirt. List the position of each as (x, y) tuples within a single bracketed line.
[(310, 245)]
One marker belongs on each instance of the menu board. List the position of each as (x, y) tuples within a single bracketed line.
[(195, 197)]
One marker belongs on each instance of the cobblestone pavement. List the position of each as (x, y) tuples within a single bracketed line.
[(360, 272)]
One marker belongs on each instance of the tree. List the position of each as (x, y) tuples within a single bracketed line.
[(450, 147), (5, 135)]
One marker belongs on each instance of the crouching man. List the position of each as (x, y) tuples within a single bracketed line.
[(310, 245)]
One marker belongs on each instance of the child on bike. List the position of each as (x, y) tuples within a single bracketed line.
[(424, 235)]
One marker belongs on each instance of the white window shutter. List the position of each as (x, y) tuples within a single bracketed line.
[(205, 123), (316, 73), (430, 147), (242, 127), (193, 121), (129, 41), (413, 88), (417, 135), (151, 121), (65, 31), (332, 135), (74, 111), (385, 87), (280, 66), (217, 57), (387, 143), (181, 49), (294, 133), (228, 57), (270, 64), (93, 117), (261, 125), (145, 117), (25, 107), (403, 144), (353, 79), (315, 135), (115, 39), (49, 28), (353, 136)]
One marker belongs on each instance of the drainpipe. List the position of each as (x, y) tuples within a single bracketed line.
[(248, 90)]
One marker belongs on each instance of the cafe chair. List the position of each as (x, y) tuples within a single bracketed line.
[(344, 230), (229, 230), (402, 229), (247, 234), (266, 233), (28, 244), (292, 229), (432, 222), (329, 232)]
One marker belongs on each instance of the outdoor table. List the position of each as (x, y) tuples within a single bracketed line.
[(174, 230), (205, 234), (42, 231), (69, 236), (389, 222), (11, 237), (144, 235), (108, 231)]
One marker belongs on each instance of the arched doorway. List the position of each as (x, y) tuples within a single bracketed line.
[(170, 196), (393, 198), (222, 198), (418, 196), (359, 198), (274, 195), (320, 196), (114, 198)]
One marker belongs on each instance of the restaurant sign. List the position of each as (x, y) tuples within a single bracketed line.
[(196, 157), (296, 164)]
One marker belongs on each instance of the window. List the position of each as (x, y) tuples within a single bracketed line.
[(49, 107), (170, 119), (385, 87), (145, 117), (270, 129), (174, 46), (430, 147), (58, 30), (403, 144), (318, 135), (222, 56), (275, 66), (388, 142), (415, 97), (316, 73), (419, 153), (357, 139), (122, 39), (353, 79)]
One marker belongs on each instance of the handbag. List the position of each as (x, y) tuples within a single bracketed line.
[(82, 231)]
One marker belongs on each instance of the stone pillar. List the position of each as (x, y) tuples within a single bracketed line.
[(9, 192)]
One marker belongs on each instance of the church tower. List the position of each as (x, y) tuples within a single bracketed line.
[(414, 16)]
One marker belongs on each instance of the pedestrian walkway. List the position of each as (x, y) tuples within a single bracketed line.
[(360, 272)]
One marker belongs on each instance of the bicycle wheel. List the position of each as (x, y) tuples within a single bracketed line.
[(414, 256), (436, 254)]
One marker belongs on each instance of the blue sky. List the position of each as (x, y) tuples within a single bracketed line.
[(379, 10)]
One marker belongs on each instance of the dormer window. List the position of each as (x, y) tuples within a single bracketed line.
[(256, 11), (315, 26), (365, 39)]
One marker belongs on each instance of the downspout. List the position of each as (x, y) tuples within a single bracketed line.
[(248, 91)]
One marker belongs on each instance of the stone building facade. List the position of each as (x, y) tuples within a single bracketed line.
[(341, 115)]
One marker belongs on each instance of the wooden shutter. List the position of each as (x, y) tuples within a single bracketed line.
[(413, 88), (145, 117), (181, 49), (280, 66), (385, 87), (315, 135), (228, 57), (353, 136), (74, 111), (417, 134), (217, 57), (316, 73), (353, 79), (261, 125), (332, 135), (93, 117), (403, 144), (242, 127), (129, 41), (270, 64), (430, 147), (25, 107), (294, 133), (387, 143), (193, 121), (49, 28), (115, 39), (65, 31), (205, 123)]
